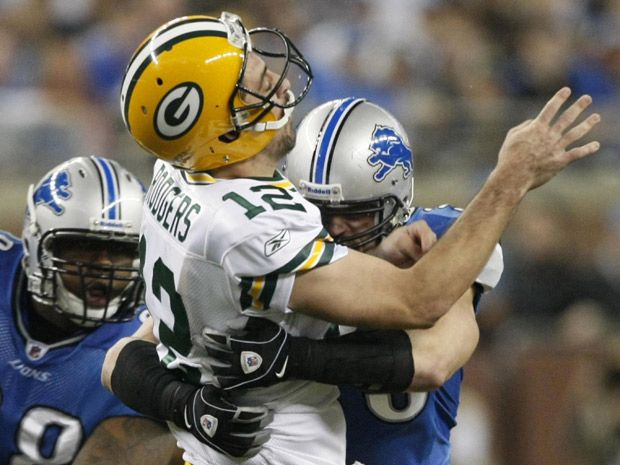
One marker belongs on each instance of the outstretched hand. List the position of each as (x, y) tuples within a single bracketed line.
[(537, 149), (257, 355)]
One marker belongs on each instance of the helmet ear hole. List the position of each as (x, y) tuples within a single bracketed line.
[(229, 137)]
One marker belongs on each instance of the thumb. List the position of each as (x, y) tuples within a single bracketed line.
[(237, 325)]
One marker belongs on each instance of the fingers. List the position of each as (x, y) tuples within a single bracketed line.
[(214, 338), (423, 237), (576, 133), (248, 445), (551, 108), (261, 415), (216, 349), (569, 116), (583, 151)]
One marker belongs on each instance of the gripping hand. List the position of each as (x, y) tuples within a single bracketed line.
[(225, 427), (256, 356)]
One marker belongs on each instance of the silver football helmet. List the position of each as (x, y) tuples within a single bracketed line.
[(81, 240), (352, 157)]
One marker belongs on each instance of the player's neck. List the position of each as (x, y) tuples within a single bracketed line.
[(263, 164), (260, 165), (47, 325)]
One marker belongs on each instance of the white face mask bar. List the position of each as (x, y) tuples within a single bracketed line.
[(280, 123)]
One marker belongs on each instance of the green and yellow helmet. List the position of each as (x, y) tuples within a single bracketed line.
[(183, 96)]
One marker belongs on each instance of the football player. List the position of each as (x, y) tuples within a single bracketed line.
[(223, 236), (361, 202), (360, 208), (70, 290)]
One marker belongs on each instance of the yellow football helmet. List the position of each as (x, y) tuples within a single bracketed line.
[(184, 98)]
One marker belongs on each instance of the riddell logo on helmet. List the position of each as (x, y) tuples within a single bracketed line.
[(178, 111), (389, 151)]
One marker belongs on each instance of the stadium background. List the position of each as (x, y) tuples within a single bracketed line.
[(544, 384)]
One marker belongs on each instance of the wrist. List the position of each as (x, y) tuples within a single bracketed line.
[(142, 383), (175, 397), (506, 182)]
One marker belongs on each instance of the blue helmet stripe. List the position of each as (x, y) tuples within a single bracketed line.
[(328, 140), (111, 189)]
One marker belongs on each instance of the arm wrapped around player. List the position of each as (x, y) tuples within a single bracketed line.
[(142, 383), (263, 354)]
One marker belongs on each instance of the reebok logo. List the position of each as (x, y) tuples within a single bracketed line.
[(277, 242)]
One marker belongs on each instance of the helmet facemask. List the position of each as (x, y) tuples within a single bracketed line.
[(81, 229), (249, 106), (352, 158), (387, 212), (77, 284)]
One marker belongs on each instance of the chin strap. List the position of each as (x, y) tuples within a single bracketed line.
[(278, 124)]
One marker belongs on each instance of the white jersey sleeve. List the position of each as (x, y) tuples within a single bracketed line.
[(492, 271), (261, 252)]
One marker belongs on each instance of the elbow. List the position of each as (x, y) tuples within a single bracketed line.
[(436, 378), (430, 376), (426, 314)]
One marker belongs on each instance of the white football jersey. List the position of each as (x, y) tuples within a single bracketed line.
[(214, 249)]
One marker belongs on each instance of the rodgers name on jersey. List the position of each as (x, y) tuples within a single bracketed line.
[(173, 209)]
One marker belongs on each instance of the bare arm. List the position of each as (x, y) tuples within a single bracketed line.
[(127, 441), (372, 293), (441, 350), (144, 332)]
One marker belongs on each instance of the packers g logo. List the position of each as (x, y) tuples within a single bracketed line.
[(178, 111)]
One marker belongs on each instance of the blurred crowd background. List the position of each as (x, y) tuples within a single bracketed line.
[(544, 384)]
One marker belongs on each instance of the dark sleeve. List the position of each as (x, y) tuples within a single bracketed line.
[(375, 361)]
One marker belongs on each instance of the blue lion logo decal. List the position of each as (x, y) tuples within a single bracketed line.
[(54, 188), (389, 151)]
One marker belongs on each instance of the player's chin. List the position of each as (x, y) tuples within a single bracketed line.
[(284, 141)]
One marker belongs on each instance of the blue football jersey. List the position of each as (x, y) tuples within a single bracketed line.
[(51, 396), (405, 428)]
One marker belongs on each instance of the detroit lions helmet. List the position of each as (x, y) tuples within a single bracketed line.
[(185, 98), (81, 226), (352, 157)]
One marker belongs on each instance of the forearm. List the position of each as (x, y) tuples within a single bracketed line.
[(445, 273), (441, 350), (142, 383), (418, 296), (380, 361), (144, 332), (375, 361)]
